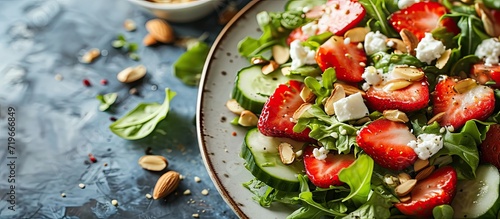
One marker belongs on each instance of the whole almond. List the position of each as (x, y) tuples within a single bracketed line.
[(132, 74), (166, 184), (149, 40), (160, 30), (153, 162)]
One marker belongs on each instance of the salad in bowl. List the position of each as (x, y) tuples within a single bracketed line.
[(373, 108)]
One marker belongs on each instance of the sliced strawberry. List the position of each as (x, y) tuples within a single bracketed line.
[(490, 147), (386, 142), (483, 74), (476, 103), (346, 58), (325, 173), (436, 189), (422, 17), (408, 99), (336, 16), (276, 117)]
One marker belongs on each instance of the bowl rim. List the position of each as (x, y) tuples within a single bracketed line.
[(170, 6)]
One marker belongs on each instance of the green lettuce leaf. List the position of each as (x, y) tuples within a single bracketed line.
[(377, 206), (358, 176), (189, 66), (377, 10), (106, 100)]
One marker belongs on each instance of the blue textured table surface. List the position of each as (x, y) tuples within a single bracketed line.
[(57, 122)]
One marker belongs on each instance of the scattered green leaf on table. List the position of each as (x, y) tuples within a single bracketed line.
[(189, 66), (142, 120), (106, 100)]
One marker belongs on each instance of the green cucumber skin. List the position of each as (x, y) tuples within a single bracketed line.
[(254, 101), (260, 170)]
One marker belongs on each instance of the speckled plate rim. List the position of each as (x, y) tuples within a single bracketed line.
[(199, 114)]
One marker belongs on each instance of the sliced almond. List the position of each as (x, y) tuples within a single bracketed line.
[(350, 90), (307, 95), (405, 198), (405, 188), (488, 23), (396, 116), (270, 67), (153, 162), (397, 44), (357, 34), (166, 184), (149, 40), (337, 94), (248, 118), (286, 70), (441, 62), (129, 25), (410, 40), (160, 30), (396, 84), (287, 155), (362, 121), (425, 173), (408, 73), (420, 164), (258, 61), (435, 118), (281, 54), (301, 112), (234, 106), (465, 85), (132, 74), (403, 177), (91, 55)]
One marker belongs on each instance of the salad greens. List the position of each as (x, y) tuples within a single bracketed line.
[(365, 194), (142, 120), (106, 100), (190, 64)]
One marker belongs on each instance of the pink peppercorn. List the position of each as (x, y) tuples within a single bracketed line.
[(104, 82), (86, 82)]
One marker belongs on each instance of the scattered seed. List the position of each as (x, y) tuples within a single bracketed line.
[(196, 215), (149, 196), (187, 192), (81, 185), (133, 91), (204, 192), (58, 77), (104, 81), (86, 82), (181, 177), (92, 158), (63, 195), (105, 164), (129, 25), (112, 118), (197, 179), (114, 202)]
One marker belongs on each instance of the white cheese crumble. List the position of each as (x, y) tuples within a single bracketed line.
[(310, 29), (429, 49), (321, 153), (301, 55), (351, 107), (426, 145), (402, 4), (489, 49), (375, 42), (372, 76)]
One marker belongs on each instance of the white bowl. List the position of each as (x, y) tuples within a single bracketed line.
[(178, 12)]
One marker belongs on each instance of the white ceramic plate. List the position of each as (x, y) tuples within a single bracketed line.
[(219, 147)]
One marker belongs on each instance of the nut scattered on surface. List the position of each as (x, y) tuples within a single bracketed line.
[(149, 196), (114, 202), (91, 55), (160, 30), (132, 74), (187, 192), (248, 118), (405, 188), (166, 184), (153, 162), (287, 155), (129, 25), (197, 179), (81, 185), (58, 77), (357, 34), (149, 40), (204, 192), (227, 14), (281, 54), (63, 195), (196, 215), (396, 116), (234, 106)]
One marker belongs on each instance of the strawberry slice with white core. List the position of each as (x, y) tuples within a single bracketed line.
[(387, 143), (325, 173), (408, 99), (476, 102)]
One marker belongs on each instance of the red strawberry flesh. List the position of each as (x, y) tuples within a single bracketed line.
[(490, 147), (325, 173), (408, 99)]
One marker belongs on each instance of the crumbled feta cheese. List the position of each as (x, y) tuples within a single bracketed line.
[(489, 49), (321, 153), (375, 42), (351, 107), (301, 55), (429, 49), (310, 29), (426, 145), (372, 76), (402, 4)]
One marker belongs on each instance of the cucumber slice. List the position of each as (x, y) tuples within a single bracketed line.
[(263, 161), (252, 88), (298, 5), (478, 198)]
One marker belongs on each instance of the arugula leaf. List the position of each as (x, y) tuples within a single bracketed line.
[(106, 100), (493, 4), (378, 11), (386, 61), (472, 32), (265, 195), (358, 176), (376, 207), (189, 66), (443, 212), (142, 120), (464, 63)]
